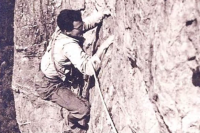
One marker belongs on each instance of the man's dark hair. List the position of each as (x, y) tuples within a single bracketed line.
[(66, 18)]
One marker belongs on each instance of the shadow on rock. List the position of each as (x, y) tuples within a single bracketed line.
[(8, 123), (196, 77)]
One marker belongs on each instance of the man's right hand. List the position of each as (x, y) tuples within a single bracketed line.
[(104, 46), (107, 42)]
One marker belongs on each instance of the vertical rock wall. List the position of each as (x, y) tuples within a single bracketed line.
[(148, 77)]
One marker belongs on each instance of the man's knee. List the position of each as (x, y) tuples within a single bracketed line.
[(84, 111)]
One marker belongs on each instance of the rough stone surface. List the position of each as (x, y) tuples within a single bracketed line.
[(149, 76)]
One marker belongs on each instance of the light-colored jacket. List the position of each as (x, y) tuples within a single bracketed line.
[(68, 53)]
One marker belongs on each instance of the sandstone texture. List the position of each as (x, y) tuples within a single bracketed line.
[(149, 76)]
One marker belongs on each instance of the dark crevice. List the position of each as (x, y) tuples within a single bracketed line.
[(8, 123), (190, 22), (163, 121), (192, 58), (196, 77), (133, 62), (97, 38), (153, 96)]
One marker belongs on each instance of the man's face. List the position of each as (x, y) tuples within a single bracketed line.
[(78, 29)]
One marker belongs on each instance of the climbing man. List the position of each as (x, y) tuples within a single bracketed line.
[(64, 64)]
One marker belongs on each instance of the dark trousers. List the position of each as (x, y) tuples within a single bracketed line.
[(58, 92)]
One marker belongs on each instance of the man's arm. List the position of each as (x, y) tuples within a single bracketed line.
[(81, 60), (94, 19), (97, 57)]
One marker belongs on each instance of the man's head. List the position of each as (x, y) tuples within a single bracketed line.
[(70, 22)]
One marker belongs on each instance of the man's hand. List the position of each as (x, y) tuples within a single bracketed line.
[(106, 12), (104, 46), (107, 42), (103, 9)]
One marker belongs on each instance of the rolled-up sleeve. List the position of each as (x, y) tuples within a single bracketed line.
[(83, 62)]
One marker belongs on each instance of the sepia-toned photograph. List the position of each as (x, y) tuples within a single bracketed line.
[(99, 66)]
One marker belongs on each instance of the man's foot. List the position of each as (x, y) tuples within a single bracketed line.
[(75, 128), (85, 127)]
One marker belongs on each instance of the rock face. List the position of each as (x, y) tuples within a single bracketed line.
[(149, 76)]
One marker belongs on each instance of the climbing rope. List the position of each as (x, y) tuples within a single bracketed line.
[(102, 100)]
